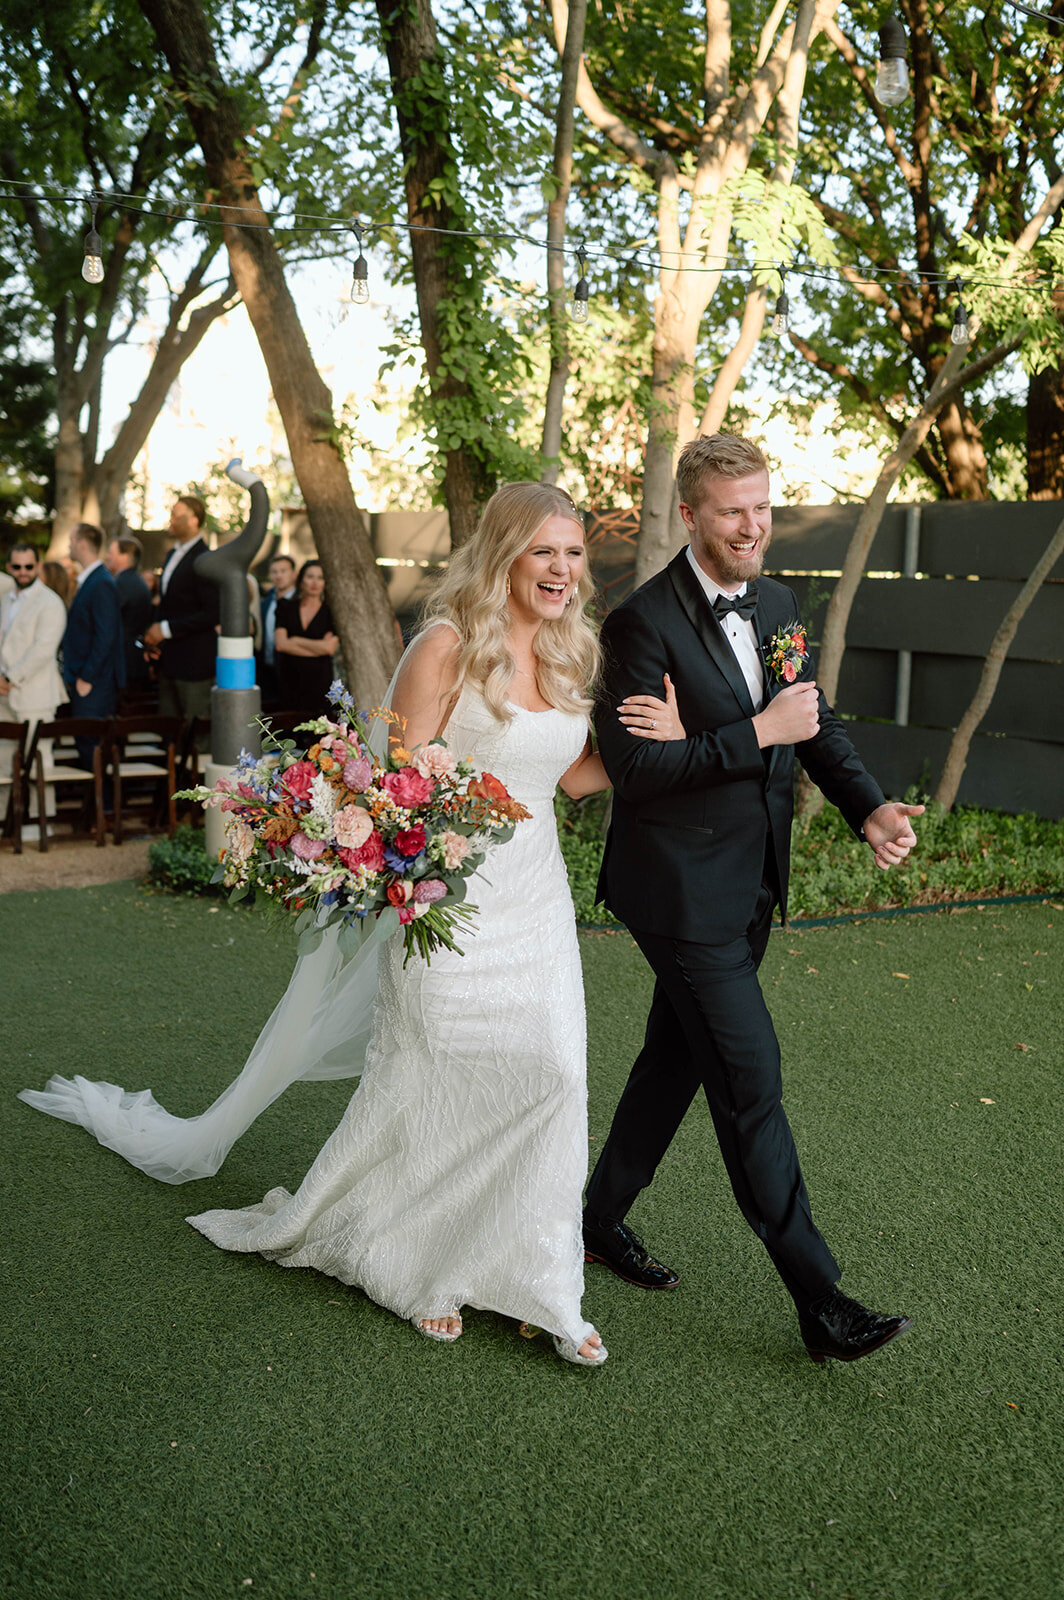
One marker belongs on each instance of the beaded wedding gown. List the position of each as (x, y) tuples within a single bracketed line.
[(454, 1178)]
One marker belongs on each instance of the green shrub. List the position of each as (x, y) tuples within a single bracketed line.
[(182, 863), (960, 855)]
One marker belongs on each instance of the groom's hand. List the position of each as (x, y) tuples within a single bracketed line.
[(791, 718), (890, 834)]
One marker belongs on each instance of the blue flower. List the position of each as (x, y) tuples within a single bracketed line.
[(404, 865)]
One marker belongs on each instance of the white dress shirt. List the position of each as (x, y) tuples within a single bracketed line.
[(739, 632)]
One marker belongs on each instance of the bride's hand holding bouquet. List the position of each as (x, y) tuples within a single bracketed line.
[(336, 835)]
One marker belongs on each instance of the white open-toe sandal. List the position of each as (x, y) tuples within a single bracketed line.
[(571, 1352), (434, 1333)]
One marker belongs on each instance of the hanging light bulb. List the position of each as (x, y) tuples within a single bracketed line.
[(92, 266), (892, 74), (959, 331), (780, 319), (581, 293), (360, 272)]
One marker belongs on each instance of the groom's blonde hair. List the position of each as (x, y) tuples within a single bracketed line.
[(715, 455), (472, 595)]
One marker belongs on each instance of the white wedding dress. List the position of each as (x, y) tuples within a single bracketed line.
[(455, 1176)]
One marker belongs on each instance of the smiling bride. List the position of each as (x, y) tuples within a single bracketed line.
[(454, 1178)]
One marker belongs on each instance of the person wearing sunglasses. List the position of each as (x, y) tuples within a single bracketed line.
[(32, 622)]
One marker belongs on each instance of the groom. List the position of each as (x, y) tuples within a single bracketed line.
[(696, 858)]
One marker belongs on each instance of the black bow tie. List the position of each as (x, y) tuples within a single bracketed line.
[(743, 605)]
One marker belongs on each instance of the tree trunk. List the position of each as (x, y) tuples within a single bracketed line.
[(365, 621), (1045, 435), (443, 267), (551, 447), (963, 449), (960, 744)]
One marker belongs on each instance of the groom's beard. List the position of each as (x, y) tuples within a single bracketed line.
[(735, 570)]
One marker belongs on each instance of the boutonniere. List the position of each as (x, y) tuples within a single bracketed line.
[(786, 652)]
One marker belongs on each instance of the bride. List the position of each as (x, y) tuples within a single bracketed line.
[(454, 1178)]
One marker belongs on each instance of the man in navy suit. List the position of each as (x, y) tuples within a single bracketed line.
[(94, 665), (184, 636), (696, 858), (283, 578), (134, 597)]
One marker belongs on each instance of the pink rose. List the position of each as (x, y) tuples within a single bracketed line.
[(790, 672), (297, 779), (435, 761), (428, 890), (407, 787), (352, 826), (240, 839), (358, 774), (410, 841), (305, 848), (455, 848), (369, 855)]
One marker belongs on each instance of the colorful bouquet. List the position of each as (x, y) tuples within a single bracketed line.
[(336, 834), (786, 652)]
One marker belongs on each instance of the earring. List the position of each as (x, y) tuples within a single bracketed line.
[(507, 583)]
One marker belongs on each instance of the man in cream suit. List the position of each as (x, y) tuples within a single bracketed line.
[(32, 622)]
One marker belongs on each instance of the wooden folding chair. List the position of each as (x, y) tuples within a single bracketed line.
[(17, 734), (55, 760), (144, 756)]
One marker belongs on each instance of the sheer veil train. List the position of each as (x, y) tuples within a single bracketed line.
[(319, 1029)]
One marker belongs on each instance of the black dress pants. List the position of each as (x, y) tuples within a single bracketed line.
[(709, 1025)]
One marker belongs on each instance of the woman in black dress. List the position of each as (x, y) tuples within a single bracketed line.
[(305, 641)]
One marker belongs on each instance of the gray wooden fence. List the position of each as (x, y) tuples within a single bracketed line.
[(940, 579)]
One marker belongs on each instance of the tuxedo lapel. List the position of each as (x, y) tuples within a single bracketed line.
[(700, 615)]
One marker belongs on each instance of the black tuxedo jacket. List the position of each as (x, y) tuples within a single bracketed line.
[(692, 818), (190, 606)]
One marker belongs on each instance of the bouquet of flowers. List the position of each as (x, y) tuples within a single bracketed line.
[(786, 652), (335, 834)]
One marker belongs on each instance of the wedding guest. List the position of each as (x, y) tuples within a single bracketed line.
[(94, 662), (696, 858), (306, 641), (32, 622), (283, 587), (183, 639), (134, 597)]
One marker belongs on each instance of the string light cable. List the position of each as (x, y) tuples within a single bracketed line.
[(1037, 279)]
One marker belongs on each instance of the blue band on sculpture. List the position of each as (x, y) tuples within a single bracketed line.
[(235, 674)]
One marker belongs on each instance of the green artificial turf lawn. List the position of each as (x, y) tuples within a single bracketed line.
[(180, 1421)]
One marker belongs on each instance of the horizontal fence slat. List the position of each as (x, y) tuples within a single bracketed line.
[(1002, 774), (816, 538), (938, 617), (992, 539), (1027, 702)]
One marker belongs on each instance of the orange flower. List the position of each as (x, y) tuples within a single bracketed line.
[(487, 787)]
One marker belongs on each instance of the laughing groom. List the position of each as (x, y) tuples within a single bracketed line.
[(696, 858)]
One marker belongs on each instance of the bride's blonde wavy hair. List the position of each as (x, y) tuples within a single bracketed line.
[(472, 595)]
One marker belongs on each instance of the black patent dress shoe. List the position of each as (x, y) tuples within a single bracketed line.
[(841, 1329), (617, 1247)]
